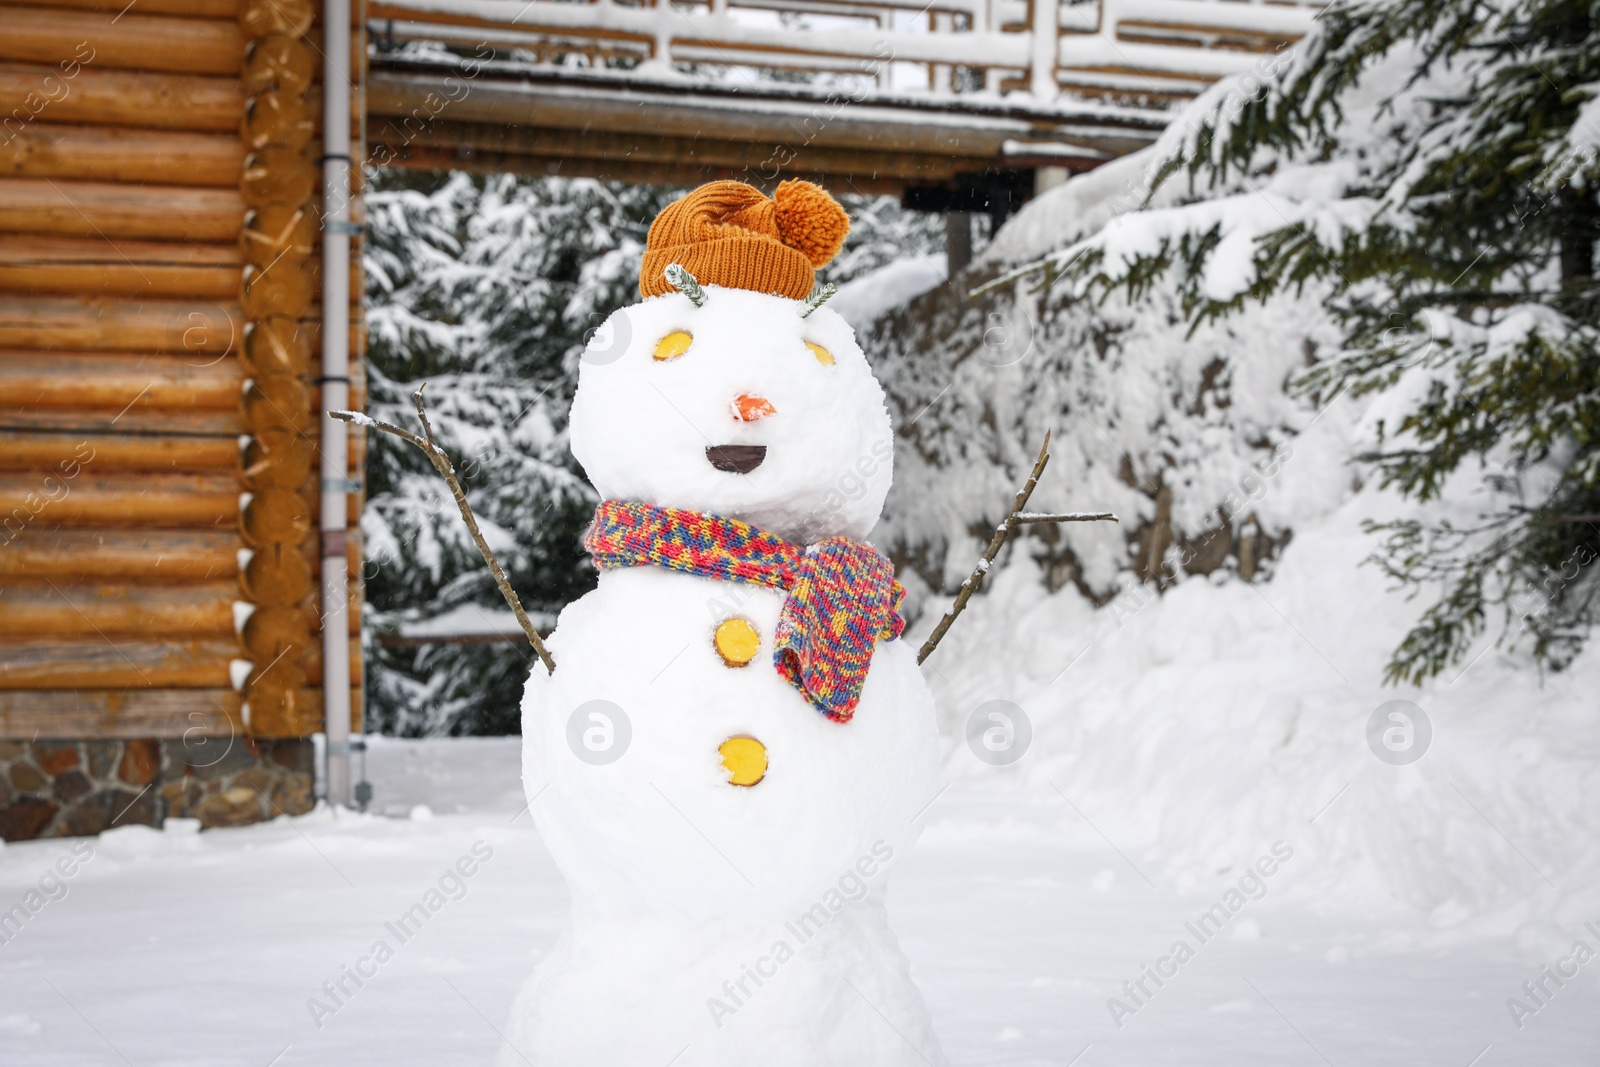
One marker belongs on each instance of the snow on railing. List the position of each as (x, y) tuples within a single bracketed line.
[(1040, 48)]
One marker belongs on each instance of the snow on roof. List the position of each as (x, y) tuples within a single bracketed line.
[(861, 300)]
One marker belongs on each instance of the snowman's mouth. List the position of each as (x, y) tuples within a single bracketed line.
[(736, 459)]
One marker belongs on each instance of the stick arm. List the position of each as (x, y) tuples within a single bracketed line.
[(441, 463), (1014, 518)]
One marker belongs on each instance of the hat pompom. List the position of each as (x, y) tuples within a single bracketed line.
[(810, 221)]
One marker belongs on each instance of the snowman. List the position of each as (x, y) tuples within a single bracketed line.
[(734, 749)]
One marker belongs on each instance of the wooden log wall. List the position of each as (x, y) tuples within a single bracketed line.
[(160, 338)]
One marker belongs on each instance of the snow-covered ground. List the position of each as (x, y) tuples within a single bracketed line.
[(1221, 750), (177, 948)]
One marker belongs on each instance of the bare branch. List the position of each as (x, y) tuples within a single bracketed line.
[(1016, 517), (1001, 532), (1554, 516), (441, 463), (1070, 516)]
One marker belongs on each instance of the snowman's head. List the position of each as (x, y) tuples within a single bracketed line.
[(739, 407), (743, 401)]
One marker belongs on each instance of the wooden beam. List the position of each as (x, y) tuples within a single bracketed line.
[(133, 664), (310, 659), (117, 499), (112, 277), (131, 555), (121, 98), (93, 153), (72, 40), (1201, 35), (305, 719), (353, 619), (52, 608), (757, 162), (190, 328), (107, 210), (51, 714), (64, 452), (205, 9), (352, 561), (413, 158), (797, 123), (24, 450), (87, 380), (154, 423), (93, 266), (25, 250)]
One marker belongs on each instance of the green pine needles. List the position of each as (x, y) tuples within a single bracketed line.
[(1429, 165), (819, 296), (680, 279)]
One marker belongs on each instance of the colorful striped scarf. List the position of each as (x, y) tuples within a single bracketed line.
[(842, 593)]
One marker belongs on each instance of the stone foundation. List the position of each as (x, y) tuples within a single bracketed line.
[(76, 788)]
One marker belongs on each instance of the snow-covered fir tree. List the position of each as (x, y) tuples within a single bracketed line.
[(1430, 165), (486, 289), (489, 289)]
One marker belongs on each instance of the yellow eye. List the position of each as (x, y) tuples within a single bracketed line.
[(674, 345), (824, 357)]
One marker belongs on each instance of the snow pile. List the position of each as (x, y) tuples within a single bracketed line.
[(1181, 435), (1196, 726), (868, 297), (1070, 211)]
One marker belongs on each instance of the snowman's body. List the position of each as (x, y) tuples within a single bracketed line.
[(711, 922)]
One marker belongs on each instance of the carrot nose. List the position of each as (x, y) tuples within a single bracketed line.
[(750, 408)]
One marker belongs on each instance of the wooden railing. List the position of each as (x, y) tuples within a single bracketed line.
[(1139, 52)]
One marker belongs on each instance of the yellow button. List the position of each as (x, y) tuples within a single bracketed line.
[(824, 357), (745, 759), (673, 345), (737, 641)]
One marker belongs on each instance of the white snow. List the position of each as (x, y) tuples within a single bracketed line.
[(1207, 752), (239, 672), (473, 620), (358, 418), (1220, 715), (863, 299), (1224, 714), (1019, 918), (1177, 742)]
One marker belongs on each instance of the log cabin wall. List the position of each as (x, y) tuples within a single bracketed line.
[(160, 325)]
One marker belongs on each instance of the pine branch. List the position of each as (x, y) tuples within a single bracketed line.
[(1014, 518), (817, 298), (441, 463), (680, 279)]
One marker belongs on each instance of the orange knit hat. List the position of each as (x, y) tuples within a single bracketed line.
[(731, 234)]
